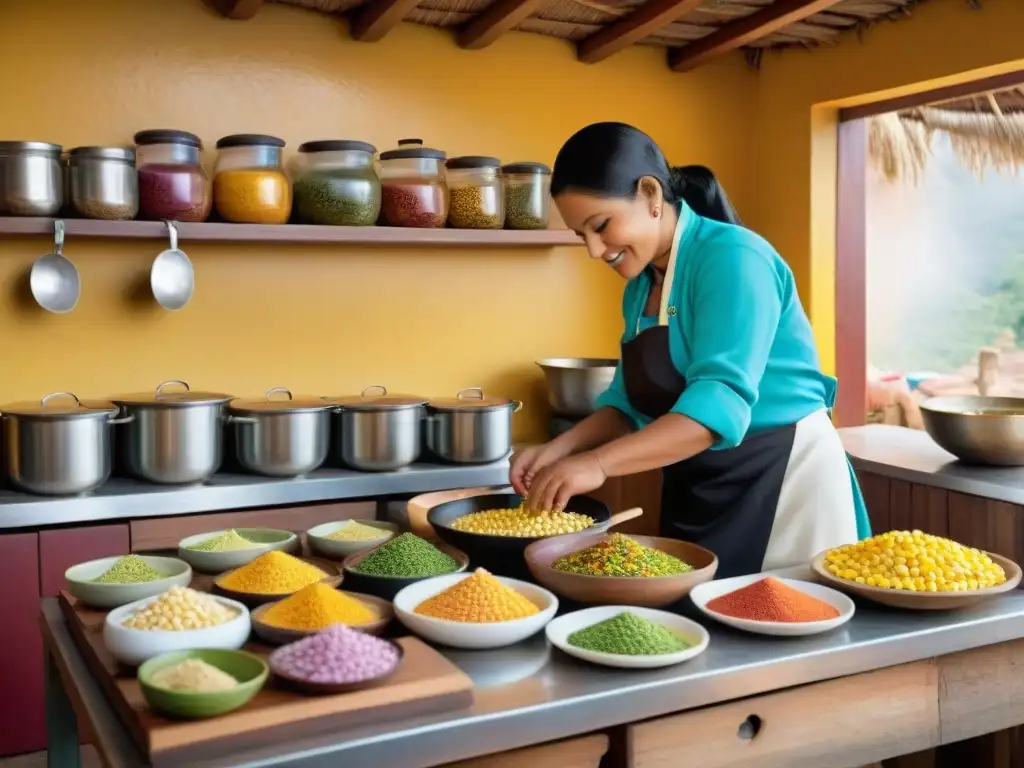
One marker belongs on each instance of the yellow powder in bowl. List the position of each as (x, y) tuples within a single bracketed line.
[(272, 573), (193, 675), (478, 598), (356, 531), (316, 607), (229, 541)]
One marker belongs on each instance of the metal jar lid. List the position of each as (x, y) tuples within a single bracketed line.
[(538, 168), (160, 396), (473, 399), (60, 405), (337, 145), (119, 154), (411, 152), (167, 136), (287, 404), (377, 398), (22, 147), (249, 140), (472, 161)]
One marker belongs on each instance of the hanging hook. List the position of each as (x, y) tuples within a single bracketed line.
[(58, 236), (172, 231)]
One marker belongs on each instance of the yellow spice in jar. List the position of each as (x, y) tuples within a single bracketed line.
[(316, 607), (522, 522), (356, 531), (478, 598), (916, 562), (260, 196), (272, 573)]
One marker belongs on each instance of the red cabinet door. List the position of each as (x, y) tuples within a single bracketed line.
[(22, 727), (61, 549)]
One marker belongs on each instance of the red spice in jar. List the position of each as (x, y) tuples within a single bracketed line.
[(176, 192), (413, 205), (772, 600)]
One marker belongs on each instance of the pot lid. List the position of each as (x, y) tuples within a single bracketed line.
[(58, 404), (163, 395), (473, 399), (375, 398), (280, 400)]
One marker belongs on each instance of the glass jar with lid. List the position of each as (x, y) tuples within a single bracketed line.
[(104, 184), (527, 195), (414, 193), (475, 199), (172, 183), (249, 182), (336, 184)]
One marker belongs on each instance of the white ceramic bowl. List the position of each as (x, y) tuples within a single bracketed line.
[(558, 632), (81, 585), (704, 593), (134, 646), (218, 562), (339, 550), (464, 634)]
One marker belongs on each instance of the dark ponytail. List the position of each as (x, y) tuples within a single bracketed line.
[(609, 159)]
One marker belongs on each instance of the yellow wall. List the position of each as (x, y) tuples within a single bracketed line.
[(799, 92), (329, 319)]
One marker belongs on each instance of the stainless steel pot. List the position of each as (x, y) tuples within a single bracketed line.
[(31, 179), (58, 446), (979, 430), (377, 432), (280, 438), (174, 438), (470, 428), (104, 182), (575, 383)]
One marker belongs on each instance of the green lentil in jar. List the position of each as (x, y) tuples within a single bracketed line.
[(523, 207), (323, 198), (407, 556), (628, 635), (619, 555), (130, 569), (475, 208)]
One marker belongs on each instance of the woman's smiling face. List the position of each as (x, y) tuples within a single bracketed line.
[(626, 234)]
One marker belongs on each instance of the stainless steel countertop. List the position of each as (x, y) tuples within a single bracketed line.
[(529, 693), (911, 455), (122, 498)]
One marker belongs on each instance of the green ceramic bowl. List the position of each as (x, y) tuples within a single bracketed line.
[(249, 670)]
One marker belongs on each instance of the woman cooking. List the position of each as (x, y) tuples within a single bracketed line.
[(719, 382)]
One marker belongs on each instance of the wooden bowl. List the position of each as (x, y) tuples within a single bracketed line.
[(919, 601), (280, 636), (387, 587), (253, 599), (643, 591), (321, 689)]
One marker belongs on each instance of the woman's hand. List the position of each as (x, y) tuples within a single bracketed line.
[(554, 486), (525, 464)]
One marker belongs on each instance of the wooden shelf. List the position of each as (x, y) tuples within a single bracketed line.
[(294, 233)]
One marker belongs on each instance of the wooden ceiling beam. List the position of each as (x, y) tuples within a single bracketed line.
[(632, 28), (743, 31), (498, 19), (239, 10), (377, 18)]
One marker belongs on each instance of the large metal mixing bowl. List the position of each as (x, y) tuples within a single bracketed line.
[(575, 383), (979, 430)]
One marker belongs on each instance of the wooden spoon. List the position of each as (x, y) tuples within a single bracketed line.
[(621, 517)]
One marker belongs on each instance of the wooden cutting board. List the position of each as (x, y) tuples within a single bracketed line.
[(425, 682)]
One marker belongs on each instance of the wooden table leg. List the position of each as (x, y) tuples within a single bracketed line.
[(62, 750)]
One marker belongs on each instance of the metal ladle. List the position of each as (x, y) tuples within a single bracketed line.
[(54, 280), (171, 277)]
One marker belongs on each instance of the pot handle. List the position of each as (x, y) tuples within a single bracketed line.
[(179, 382), (232, 419), (517, 406), (45, 401), (478, 393), (383, 390), (117, 418), (278, 391)]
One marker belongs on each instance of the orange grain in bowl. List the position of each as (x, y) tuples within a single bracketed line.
[(772, 600), (480, 598)]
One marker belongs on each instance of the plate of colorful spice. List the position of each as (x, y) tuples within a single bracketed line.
[(219, 551), (336, 660), (113, 581), (620, 569), (628, 637), (387, 569), (768, 605), (275, 575), (475, 610), (338, 540), (317, 607)]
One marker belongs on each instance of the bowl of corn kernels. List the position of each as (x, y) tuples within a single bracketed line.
[(179, 619), (495, 529), (916, 570)]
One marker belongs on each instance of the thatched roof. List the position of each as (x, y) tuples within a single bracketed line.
[(694, 31)]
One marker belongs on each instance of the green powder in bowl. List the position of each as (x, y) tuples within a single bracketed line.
[(628, 635), (130, 569), (229, 541), (407, 556)]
